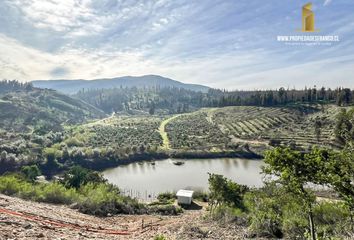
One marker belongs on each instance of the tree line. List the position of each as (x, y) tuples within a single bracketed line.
[(178, 100), (13, 85)]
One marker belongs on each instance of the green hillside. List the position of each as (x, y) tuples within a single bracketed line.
[(42, 110), (32, 119), (37, 123), (206, 132)]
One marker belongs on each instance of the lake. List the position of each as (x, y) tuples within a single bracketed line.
[(145, 180)]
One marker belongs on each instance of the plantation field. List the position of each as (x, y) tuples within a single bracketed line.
[(122, 131), (225, 127), (211, 129), (284, 125)]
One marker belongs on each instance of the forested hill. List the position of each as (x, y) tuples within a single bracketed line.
[(23, 108), (178, 100), (147, 81)]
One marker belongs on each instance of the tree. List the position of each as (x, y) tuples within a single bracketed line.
[(281, 94), (340, 175), (344, 129), (318, 126), (78, 176), (31, 172), (51, 165), (3, 156), (224, 191), (294, 170), (152, 109)]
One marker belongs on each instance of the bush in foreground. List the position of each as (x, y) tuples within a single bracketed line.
[(99, 199)]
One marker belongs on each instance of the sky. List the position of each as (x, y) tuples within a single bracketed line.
[(229, 44)]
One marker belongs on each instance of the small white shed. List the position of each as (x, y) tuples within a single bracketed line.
[(184, 196)]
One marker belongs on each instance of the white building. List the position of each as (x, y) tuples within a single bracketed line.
[(184, 196)]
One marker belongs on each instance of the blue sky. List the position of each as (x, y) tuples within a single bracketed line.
[(225, 44)]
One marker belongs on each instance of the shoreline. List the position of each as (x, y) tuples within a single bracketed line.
[(105, 164)]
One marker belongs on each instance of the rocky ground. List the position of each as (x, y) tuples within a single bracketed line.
[(21, 219)]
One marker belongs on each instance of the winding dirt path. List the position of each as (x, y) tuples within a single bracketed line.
[(163, 133)]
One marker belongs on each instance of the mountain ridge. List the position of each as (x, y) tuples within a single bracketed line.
[(74, 85)]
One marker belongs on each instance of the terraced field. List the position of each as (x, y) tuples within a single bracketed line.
[(224, 127), (216, 129)]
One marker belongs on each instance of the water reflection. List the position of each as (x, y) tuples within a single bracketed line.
[(146, 178)]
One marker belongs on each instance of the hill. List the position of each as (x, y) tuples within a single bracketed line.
[(33, 108), (73, 86), (240, 131)]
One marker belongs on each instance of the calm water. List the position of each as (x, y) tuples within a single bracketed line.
[(144, 179)]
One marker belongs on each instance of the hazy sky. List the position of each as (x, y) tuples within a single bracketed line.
[(225, 44)]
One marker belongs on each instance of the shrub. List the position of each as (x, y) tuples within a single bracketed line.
[(97, 199), (73, 142), (201, 196), (102, 199), (333, 219), (31, 172), (51, 192), (264, 214), (166, 196), (226, 213), (225, 191), (11, 184), (165, 209), (57, 193), (160, 237)]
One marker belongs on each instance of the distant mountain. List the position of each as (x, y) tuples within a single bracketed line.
[(73, 86), (44, 109)]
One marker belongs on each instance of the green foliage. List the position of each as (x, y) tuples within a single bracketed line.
[(224, 191), (12, 184), (96, 198), (332, 219), (51, 165), (56, 193), (24, 108), (78, 176), (101, 199), (160, 237), (294, 170), (340, 175), (164, 209), (92, 198), (51, 192), (31, 172), (166, 197), (177, 100), (201, 195), (264, 211), (344, 129), (274, 212), (73, 142), (227, 214)]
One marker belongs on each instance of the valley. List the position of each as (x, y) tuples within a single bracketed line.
[(176, 120), (109, 159)]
